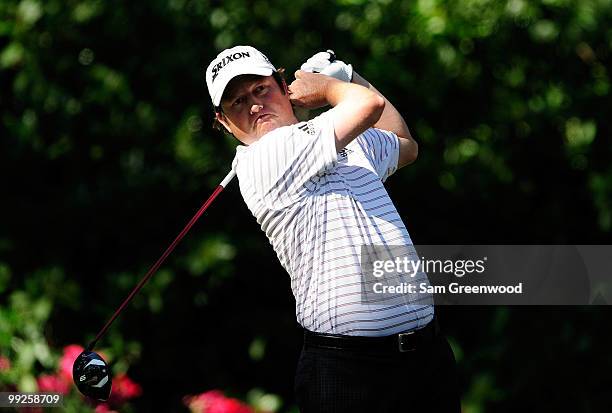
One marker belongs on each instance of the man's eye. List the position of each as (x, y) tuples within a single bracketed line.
[(238, 101), (261, 89)]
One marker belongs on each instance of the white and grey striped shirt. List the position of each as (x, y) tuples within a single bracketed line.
[(317, 208)]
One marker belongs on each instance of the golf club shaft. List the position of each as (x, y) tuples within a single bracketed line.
[(163, 257)]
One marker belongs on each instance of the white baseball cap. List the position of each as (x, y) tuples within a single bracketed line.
[(236, 61)]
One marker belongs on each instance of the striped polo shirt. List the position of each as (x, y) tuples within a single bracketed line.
[(318, 207)]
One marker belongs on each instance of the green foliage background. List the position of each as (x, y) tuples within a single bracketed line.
[(106, 150)]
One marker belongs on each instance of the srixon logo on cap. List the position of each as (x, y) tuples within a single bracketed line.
[(226, 60)]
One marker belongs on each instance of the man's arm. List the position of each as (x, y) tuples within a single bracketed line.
[(354, 108), (326, 63), (392, 121)]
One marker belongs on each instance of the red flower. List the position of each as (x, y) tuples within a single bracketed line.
[(215, 401), (124, 388), (5, 364), (55, 383), (62, 381), (104, 408), (71, 353)]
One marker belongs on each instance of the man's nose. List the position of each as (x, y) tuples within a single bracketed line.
[(255, 108)]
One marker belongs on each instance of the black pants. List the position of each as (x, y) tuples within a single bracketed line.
[(338, 381)]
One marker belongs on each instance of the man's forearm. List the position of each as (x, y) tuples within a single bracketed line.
[(355, 109), (391, 120)]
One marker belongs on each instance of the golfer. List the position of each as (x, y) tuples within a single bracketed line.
[(316, 189)]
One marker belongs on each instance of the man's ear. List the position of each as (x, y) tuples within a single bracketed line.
[(222, 120)]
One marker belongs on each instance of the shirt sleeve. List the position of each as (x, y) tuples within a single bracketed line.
[(287, 163), (382, 148)]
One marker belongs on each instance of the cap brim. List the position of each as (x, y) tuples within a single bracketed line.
[(222, 81)]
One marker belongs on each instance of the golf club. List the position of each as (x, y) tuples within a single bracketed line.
[(90, 372)]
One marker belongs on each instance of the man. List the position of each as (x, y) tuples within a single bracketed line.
[(316, 190)]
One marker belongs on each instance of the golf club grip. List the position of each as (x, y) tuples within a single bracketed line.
[(163, 257)]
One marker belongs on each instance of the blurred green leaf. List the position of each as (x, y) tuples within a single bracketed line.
[(12, 55), (5, 276)]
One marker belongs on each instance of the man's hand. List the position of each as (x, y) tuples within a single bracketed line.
[(309, 89), (326, 63)]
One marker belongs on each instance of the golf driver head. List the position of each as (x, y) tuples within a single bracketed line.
[(92, 375)]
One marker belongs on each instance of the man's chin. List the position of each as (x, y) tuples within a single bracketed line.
[(266, 127)]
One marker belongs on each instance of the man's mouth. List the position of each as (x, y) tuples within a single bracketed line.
[(263, 118)]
